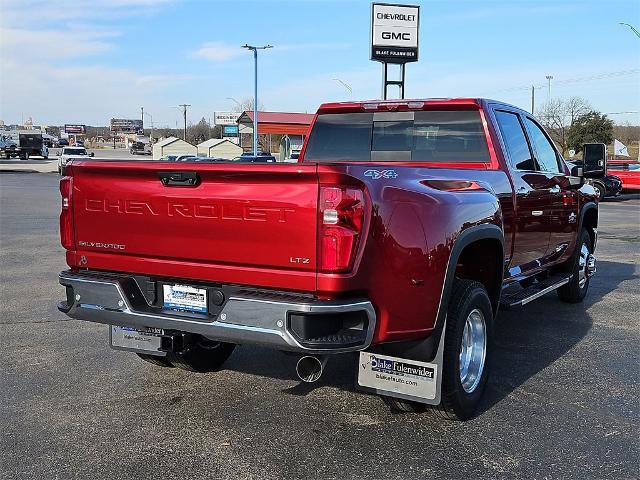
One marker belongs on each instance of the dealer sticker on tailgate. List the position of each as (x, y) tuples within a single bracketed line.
[(397, 375), (185, 298)]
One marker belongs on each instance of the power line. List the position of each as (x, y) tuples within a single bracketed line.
[(573, 80)]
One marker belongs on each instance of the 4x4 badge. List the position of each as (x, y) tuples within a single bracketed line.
[(377, 174)]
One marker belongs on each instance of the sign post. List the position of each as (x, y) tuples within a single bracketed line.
[(394, 39)]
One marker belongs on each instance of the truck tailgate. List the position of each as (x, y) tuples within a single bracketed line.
[(236, 215)]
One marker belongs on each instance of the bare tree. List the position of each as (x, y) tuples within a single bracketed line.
[(246, 105), (558, 115)]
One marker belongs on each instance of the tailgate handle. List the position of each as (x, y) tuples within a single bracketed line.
[(179, 179)]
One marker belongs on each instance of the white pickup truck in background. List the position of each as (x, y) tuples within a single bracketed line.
[(67, 153)]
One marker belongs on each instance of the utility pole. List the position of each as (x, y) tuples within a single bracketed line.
[(549, 78), (533, 98), (142, 116), (184, 114), (255, 93)]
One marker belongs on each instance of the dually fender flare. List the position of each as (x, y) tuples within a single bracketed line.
[(466, 238)]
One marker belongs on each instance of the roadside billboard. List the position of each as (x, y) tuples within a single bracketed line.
[(74, 129), (394, 32), (226, 118), (125, 125)]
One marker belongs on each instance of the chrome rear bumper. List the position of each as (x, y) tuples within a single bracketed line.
[(259, 318)]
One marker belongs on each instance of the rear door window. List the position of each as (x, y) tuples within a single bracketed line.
[(515, 141), (423, 136)]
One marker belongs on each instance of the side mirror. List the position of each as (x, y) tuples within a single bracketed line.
[(92, 154), (577, 177), (594, 158)]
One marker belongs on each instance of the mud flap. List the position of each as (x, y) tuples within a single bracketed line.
[(402, 378)]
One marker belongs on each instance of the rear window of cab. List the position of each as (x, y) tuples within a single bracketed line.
[(423, 136)]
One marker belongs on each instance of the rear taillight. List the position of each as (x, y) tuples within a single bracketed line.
[(66, 215), (341, 222)]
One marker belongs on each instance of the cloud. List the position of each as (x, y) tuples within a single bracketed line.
[(217, 51), (32, 45)]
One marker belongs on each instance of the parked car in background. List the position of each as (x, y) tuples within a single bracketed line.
[(628, 173), (140, 148), (605, 184), (260, 158), (63, 142), (69, 153), (31, 144), (8, 147)]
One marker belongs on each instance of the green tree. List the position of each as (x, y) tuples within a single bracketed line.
[(592, 127)]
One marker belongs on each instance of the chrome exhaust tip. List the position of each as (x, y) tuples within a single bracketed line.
[(309, 368)]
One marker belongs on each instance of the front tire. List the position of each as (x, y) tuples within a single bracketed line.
[(601, 190), (202, 355), (581, 268)]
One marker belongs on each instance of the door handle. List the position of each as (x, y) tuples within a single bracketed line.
[(537, 213), (179, 179)]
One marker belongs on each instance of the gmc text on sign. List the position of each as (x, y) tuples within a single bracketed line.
[(394, 33)]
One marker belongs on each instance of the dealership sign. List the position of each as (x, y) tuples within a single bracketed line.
[(230, 130), (74, 129), (125, 125), (394, 33), (226, 118)]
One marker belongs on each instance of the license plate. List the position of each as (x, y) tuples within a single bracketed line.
[(143, 339), (185, 298), (397, 376)]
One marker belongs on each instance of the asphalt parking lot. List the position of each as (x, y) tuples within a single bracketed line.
[(562, 401)]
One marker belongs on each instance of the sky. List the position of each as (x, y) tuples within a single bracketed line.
[(87, 61)]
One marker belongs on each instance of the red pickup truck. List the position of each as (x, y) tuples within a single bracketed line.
[(400, 232)]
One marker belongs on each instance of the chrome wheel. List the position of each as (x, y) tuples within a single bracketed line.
[(473, 350), (584, 265)]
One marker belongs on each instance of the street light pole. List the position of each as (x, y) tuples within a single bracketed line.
[(549, 78), (633, 29), (255, 93), (347, 86), (236, 102)]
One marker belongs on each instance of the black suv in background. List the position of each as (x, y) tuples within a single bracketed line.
[(139, 148)]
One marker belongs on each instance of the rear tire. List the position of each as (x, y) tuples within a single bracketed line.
[(467, 350), (155, 360), (469, 304), (576, 289), (202, 355)]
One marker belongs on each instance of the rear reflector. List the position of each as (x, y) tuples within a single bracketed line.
[(66, 216), (341, 213)]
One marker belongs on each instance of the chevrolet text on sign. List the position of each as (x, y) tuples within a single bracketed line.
[(394, 33)]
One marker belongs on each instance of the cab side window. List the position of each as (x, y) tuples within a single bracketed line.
[(515, 141), (545, 153)]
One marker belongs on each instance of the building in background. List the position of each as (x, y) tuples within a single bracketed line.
[(219, 148), (173, 146), (272, 126)]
